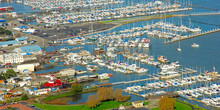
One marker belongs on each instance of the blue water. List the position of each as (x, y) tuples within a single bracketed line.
[(202, 58), (19, 8)]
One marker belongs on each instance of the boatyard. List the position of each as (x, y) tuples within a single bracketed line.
[(109, 54)]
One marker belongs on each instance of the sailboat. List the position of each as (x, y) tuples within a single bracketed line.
[(179, 49)]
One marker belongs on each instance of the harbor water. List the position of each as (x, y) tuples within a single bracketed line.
[(201, 59)]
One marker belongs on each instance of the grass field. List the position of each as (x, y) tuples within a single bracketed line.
[(182, 106), (57, 96), (102, 106)]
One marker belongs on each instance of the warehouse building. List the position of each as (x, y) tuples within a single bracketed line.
[(9, 43), (33, 49)]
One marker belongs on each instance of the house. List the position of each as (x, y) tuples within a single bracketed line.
[(9, 43), (138, 104), (34, 49), (11, 58), (22, 40)]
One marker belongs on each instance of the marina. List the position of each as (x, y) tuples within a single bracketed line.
[(54, 46)]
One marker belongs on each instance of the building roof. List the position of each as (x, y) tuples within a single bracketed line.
[(21, 38), (2, 20), (9, 42), (31, 48)]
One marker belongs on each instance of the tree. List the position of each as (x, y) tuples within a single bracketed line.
[(167, 103), (75, 89), (7, 32), (10, 72), (2, 30), (105, 93), (24, 97), (92, 101), (100, 94), (119, 97), (109, 93)]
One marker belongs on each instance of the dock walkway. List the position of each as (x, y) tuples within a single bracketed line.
[(205, 13), (140, 80), (194, 35)]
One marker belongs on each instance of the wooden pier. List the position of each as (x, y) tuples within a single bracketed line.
[(195, 35)]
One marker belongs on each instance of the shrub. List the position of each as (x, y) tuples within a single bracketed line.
[(24, 97)]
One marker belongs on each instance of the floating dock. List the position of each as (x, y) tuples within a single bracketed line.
[(134, 81), (187, 71), (195, 35)]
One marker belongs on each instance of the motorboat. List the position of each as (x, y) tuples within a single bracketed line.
[(194, 45)]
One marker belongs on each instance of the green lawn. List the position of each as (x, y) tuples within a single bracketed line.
[(108, 21), (51, 97), (157, 108), (195, 106), (181, 106), (102, 106)]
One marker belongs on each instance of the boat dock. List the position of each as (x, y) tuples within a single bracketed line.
[(187, 71), (205, 13), (134, 81), (133, 93), (194, 35)]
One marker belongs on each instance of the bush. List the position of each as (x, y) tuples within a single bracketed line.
[(17, 99), (8, 101), (2, 102), (24, 97)]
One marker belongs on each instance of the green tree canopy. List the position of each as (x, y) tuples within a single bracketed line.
[(9, 72), (7, 32), (75, 89)]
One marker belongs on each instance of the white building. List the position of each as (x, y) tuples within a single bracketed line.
[(67, 72), (25, 67), (12, 58)]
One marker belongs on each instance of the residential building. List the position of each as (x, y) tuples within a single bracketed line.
[(138, 104), (12, 58)]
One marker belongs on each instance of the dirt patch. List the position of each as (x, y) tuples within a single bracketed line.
[(153, 103)]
